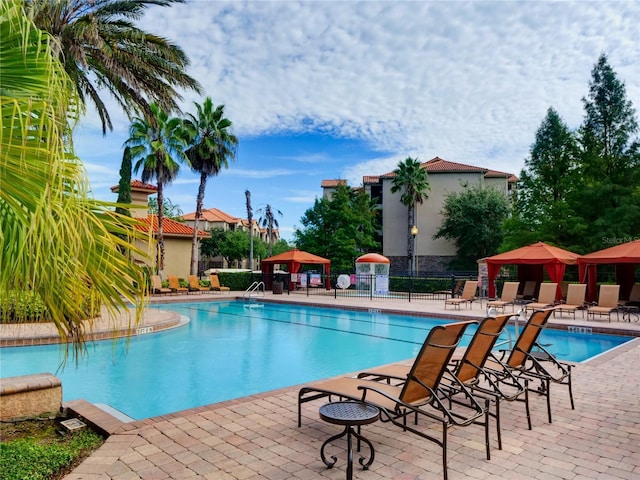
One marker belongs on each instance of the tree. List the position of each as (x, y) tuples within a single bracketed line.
[(609, 125), (472, 219), (268, 220), (101, 48), (124, 185), (169, 209), (232, 245), (56, 242), (211, 146), (541, 201), (341, 228), (247, 195), (410, 179), (608, 198), (158, 146)]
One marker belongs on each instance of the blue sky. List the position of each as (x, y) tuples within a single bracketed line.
[(325, 89)]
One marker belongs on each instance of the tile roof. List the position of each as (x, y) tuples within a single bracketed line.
[(438, 165), (370, 179), (332, 183), (138, 185), (213, 215), (170, 227)]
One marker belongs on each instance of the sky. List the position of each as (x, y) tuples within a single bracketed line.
[(341, 89)]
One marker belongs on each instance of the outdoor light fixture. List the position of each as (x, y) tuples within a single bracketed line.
[(414, 234)]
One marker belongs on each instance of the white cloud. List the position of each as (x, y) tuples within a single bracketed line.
[(469, 81)]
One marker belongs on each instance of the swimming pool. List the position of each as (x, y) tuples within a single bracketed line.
[(231, 350)]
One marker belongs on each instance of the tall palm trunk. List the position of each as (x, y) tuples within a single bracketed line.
[(409, 240), (160, 231), (194, 241), (250, 219)]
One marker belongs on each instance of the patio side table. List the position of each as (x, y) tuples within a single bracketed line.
[(350, 414)]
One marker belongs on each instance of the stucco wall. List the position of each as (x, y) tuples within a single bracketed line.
[(428, 216)]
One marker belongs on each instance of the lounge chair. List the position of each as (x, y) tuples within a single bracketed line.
[(174, 284), (156, 286), (607, 302), (419, 395), (546, 297), (466, 298), (509, 292), (194, 285), (575, 300), (215, 284), (530, 360), (454, 292), (469, 369), (634, 297), (528, 291)]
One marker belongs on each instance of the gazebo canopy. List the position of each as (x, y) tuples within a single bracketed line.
[(294, 259), (624, 256), (372, 258), (554, 260)]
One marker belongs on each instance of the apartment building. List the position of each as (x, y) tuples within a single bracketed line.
[(444, 177)]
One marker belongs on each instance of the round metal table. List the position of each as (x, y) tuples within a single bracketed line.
[(349, 414)]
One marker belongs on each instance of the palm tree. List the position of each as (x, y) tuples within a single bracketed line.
[(268, 220), (158, 147), (411, 179), (247, 195), (212, 145), (102, 49), (57, 245)]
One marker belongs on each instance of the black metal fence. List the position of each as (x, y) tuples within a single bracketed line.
[(379, 287)]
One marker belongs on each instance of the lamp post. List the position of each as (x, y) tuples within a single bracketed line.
[(414, 234)]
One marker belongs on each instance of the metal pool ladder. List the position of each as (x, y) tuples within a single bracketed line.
[(256, 288)]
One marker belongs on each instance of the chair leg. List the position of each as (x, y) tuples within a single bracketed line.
[(547, 384), (498, 426), (444, 451), (570, 388), (526, 402), (486, 429)]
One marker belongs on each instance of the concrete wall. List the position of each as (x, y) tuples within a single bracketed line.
[(30, 396)]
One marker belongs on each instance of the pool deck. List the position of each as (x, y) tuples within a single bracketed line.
[(257, 436)]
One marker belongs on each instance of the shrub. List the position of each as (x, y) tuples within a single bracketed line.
[(29, 458), (23, 306)]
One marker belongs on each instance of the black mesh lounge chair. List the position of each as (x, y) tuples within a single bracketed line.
[(528, 359), (420, 394), (469, 369)]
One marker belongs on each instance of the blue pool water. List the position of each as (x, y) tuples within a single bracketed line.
[(230, 350)]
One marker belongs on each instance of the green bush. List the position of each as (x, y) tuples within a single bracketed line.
[(27, 458), (23, 306), (237, 281)]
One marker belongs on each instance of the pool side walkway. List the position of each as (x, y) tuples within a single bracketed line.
[(257, 437)]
